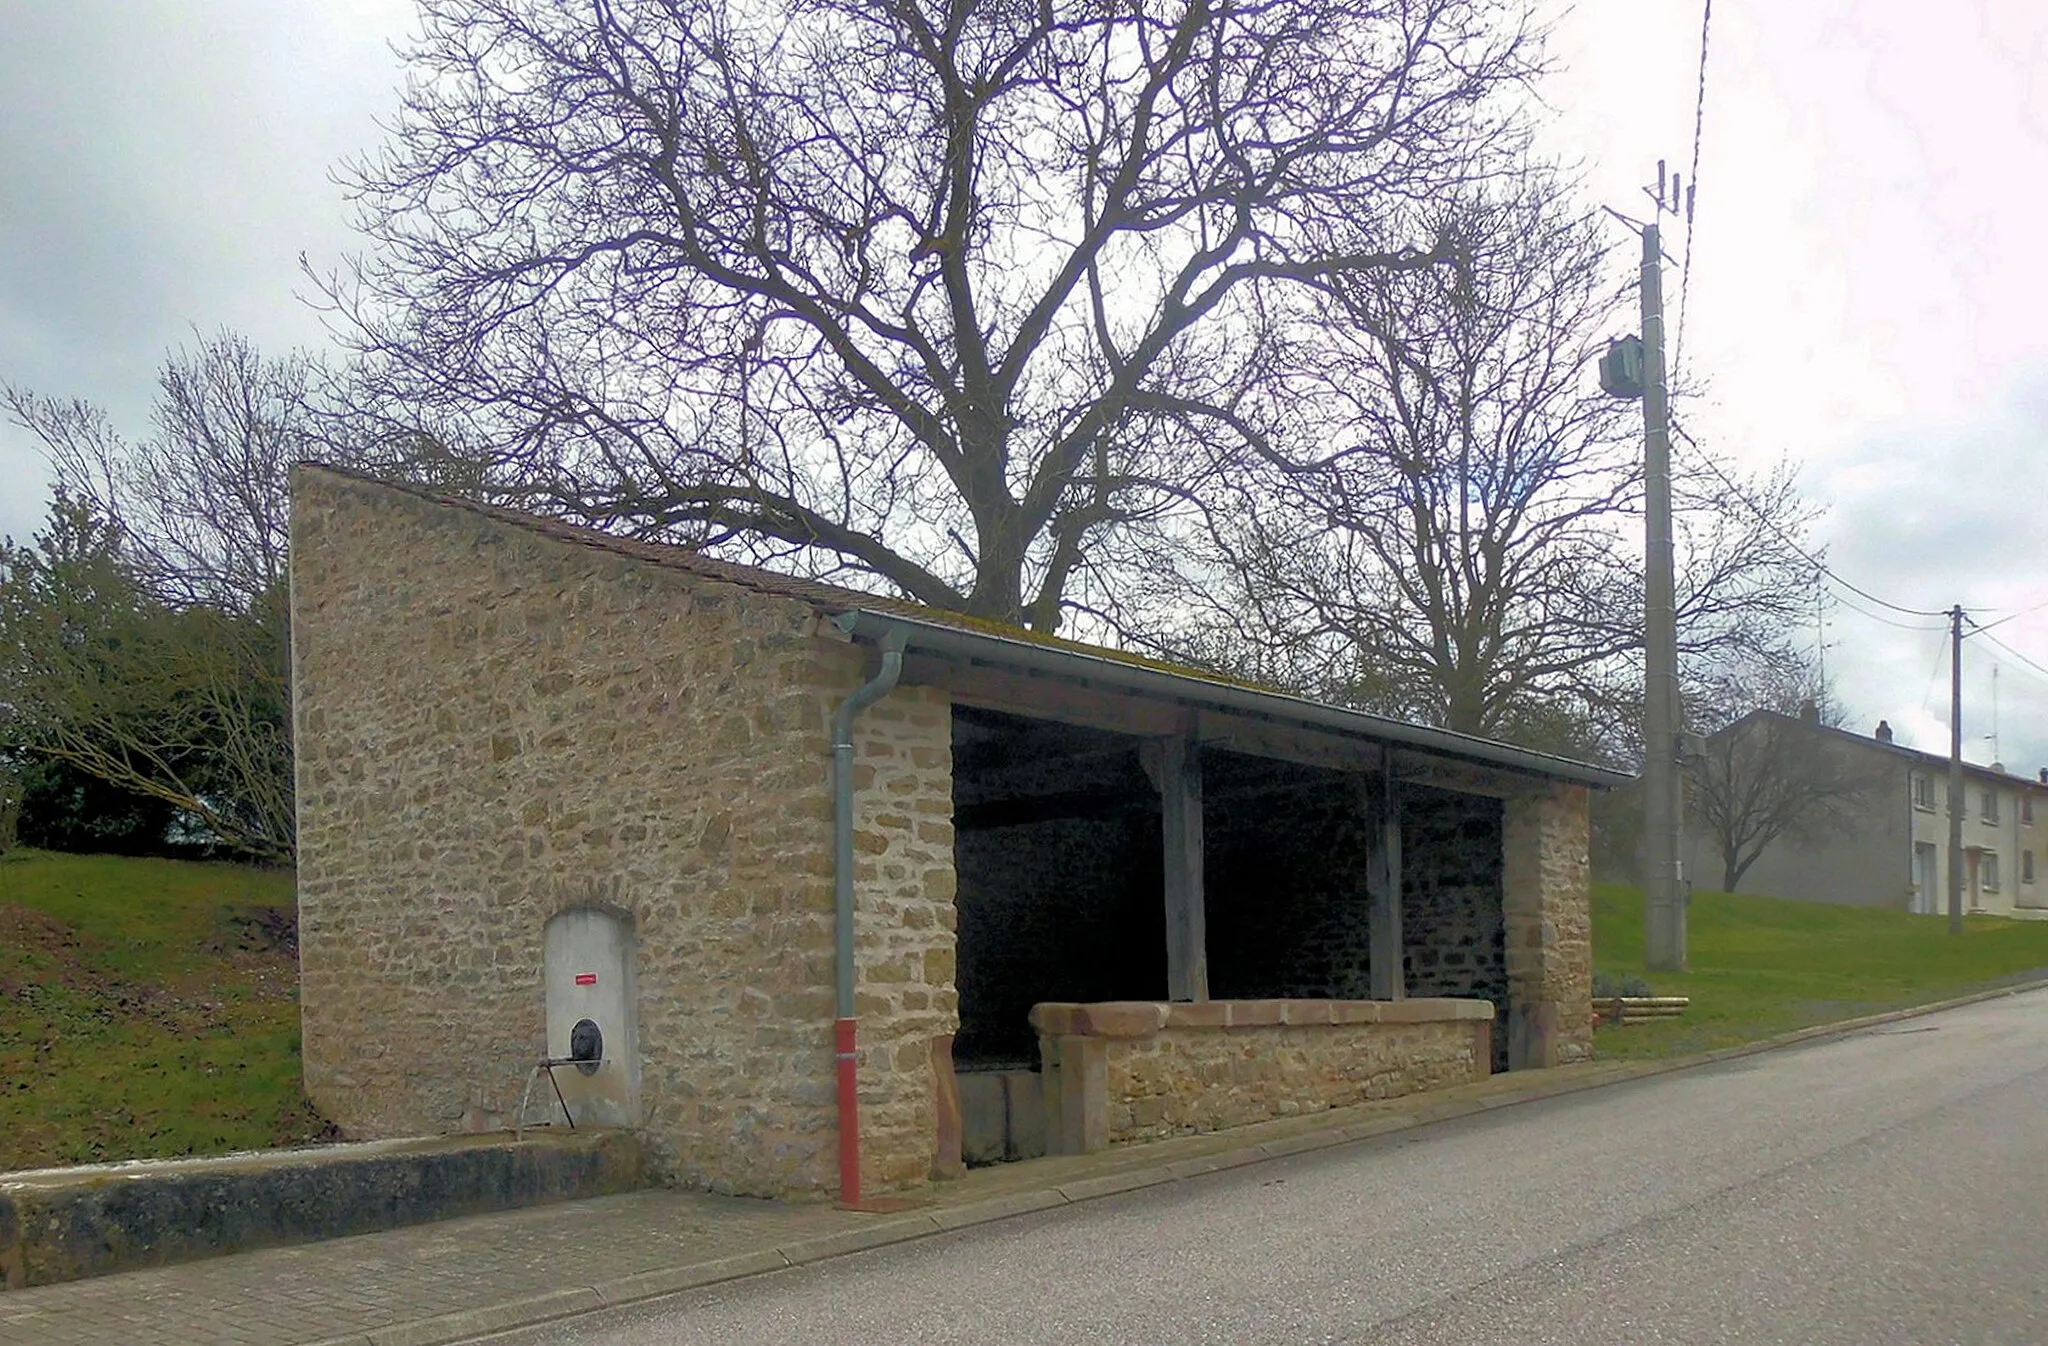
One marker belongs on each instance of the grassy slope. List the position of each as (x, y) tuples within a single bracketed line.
[(1761, 965), (146, 1009)]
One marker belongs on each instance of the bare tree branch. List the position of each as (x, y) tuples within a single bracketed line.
[(144, 635), (921, 288), (1445, 529)]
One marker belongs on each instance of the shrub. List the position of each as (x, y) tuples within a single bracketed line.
[(1607, 986)]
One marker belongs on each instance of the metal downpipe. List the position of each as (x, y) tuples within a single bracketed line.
[(844, 1030)]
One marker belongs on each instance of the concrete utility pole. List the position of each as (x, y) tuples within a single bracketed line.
[(1955, 771), (1633, 369), (1665, 926)]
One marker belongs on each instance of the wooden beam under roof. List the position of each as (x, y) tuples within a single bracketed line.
[(1385, 943), (1039, 697), (1287, 743), (1076, 702)]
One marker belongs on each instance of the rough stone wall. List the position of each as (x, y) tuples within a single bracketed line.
[(1451, 911), (903, 925), (1288, 914), (1186, 1080), (1547, 897), (494, 726)]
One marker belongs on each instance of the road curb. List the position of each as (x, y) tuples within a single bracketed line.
[(469, 1324)]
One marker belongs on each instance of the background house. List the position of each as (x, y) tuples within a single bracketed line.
[(1885, 843), (551, 781)]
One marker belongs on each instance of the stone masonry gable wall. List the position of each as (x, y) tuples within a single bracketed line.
[(494, 726)]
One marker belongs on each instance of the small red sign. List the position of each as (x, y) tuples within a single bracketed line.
[(586, 979)]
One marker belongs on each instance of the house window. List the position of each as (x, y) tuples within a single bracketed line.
[(1987, 872), (2026, 866), (1991, 807), (2027, 809), (1923, 791)]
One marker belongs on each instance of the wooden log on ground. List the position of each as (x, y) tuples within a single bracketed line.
[(1638, 1009)]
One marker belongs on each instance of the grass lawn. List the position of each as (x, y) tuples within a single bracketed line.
[(148, 1008), (1762, 965)]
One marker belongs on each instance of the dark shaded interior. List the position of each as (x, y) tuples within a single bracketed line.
[(1452, 918), (1060, 897), (1289, 915), (1285, 850), (1057, 847)]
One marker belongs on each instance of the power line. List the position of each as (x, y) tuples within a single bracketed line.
[(2023, 612), (2010, 652), (1881, 602), (1699, 122), (1892, 622), (1772, 524), (1940, 650)]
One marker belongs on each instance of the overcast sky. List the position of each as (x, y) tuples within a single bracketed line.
[(1865, 297)]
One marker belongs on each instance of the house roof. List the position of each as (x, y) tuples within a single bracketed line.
[(1932, 760), (949, 635)]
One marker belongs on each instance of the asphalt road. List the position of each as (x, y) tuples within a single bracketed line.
[(1890, 1187)]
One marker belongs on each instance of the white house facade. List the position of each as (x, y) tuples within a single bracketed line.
[(1891, 850)]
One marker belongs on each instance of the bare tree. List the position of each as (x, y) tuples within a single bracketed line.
[(1771, 775), (144, 637), (943, 292), (203, 504), (1448, 531)]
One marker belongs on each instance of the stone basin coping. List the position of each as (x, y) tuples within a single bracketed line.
[(1143, 1018)]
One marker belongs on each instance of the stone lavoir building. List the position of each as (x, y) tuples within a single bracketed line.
[(566, 794)]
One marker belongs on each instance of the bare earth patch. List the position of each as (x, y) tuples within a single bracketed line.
[(147, 1009)]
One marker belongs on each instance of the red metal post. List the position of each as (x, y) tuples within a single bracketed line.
[(849, 1114)]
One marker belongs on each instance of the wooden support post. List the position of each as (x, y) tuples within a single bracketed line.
[(1383, 890), (1180, 798)]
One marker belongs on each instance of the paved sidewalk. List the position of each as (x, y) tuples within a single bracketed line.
[(458, 1279)]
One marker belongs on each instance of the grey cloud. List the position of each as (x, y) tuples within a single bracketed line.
[(1938, 514), (166, 163)]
